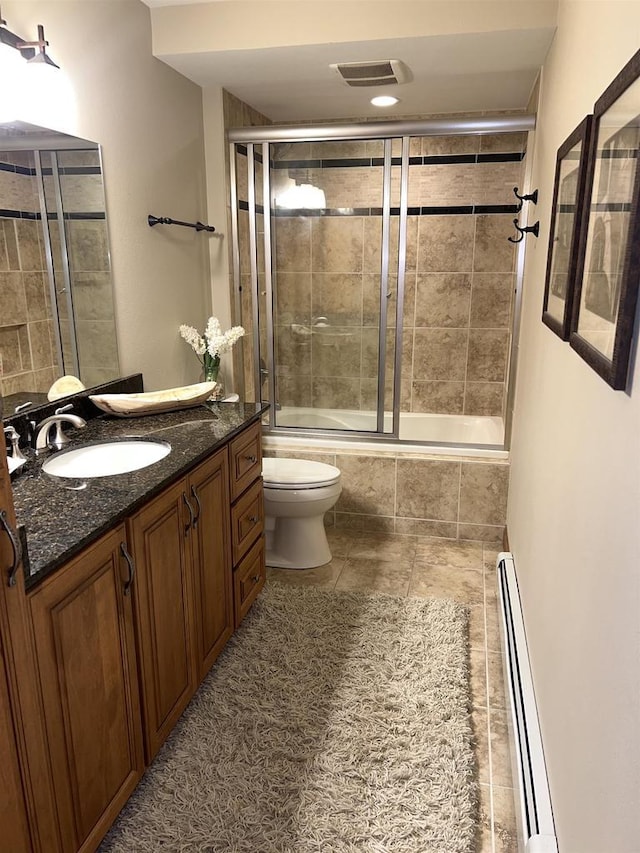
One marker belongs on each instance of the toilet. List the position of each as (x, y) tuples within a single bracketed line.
[(297, 493)]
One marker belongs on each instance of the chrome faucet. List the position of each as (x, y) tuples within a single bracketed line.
[(62, 415), (14, 438)]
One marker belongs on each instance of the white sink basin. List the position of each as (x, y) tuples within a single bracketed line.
[(106, 458)]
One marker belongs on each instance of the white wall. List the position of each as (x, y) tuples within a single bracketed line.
[(148, 119), (574, 506)]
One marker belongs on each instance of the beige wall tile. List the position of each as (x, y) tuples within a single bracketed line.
[(484, 398), (9, 259), (438, 397), (293, 352), (36, 296), (292, 244), (440, 354), (491, 296), (368, 485), (481, 532), (422, 527), (427, 489), (41, 352), (337, 244), (335, 393), (487, 355), (353, 521), (493, 251), (10, 361), (445, 243), (442, 299), (293, 391), (510, 142), (88, 246), (337, 352), (338, 297), (483, 493), (293, 298), (466, 144), (13, 302)]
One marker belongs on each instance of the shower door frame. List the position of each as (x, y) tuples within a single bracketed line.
[(251, 137)]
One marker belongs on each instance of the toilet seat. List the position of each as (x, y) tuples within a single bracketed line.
[(298, 474)]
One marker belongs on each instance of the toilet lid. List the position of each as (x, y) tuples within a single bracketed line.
[(298, 473)]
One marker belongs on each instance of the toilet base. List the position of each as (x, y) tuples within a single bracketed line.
[(297, 543)]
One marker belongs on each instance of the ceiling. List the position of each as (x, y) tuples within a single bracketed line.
[(451, 73)]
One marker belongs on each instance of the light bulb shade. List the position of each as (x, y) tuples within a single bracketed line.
[(42, 60)]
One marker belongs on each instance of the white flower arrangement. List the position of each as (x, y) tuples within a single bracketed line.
[(213, 343)]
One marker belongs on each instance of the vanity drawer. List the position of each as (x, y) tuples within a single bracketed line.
[(246, 459), (248, 580), (247, 521)]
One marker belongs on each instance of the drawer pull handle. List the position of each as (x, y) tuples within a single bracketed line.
[(197, 500), (16, 546), (252, 459), (191, 515), (130, 564), (253, 519)]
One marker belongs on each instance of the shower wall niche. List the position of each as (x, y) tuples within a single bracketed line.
[(421, 226)]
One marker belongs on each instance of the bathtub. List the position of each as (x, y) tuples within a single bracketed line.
[(426, 434)]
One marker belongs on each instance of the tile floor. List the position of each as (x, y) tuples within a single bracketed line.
[(421, 566)]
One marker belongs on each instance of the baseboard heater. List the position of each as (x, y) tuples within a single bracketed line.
[(533, 808)]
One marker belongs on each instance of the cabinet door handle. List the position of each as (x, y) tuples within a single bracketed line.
[(252, 459), (253, 519), (16, 546), (131, 566), (197, 500), (255, 578), (191, 515)]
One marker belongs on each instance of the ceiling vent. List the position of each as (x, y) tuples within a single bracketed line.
[(382, 72)]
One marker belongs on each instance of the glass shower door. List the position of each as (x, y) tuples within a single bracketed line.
[(330, 278)]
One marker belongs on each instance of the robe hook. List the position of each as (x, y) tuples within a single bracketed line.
[(526, 197), (528, 229)]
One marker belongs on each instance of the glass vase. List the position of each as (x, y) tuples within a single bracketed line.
[(211, 364)]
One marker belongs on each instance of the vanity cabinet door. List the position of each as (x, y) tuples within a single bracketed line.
[(14, 836), (164, 620), (83, 629), (208, 494)]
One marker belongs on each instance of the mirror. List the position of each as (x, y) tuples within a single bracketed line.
[(56, 299)]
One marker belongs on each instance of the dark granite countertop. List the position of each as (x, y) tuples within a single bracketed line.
[(62, 516)]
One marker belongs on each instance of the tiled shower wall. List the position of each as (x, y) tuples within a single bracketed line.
[(449, 497), (27, 349), (459, 274)]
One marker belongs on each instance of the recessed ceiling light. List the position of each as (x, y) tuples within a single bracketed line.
[(384, 101)]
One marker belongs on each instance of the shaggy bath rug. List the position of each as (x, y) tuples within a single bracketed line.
[(331, 723)]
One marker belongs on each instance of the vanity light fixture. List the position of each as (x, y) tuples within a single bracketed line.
[(13, 47), (384, 101)]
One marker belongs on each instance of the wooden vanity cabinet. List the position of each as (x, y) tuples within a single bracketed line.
[(208, 493), (14, 835), (247, 520), (183, 591), (164, 614), (82, 620)]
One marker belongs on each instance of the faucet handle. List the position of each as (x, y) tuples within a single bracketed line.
[(62, 409)]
